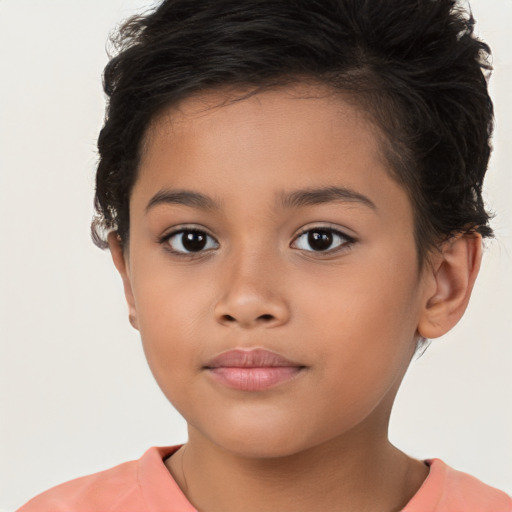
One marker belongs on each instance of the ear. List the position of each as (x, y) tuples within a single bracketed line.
[(450, 280), (122, 264)]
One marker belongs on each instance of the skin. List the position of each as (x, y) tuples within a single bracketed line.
[(351, 316)]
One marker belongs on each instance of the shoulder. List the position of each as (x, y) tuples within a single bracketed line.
[(99, 491), (460, 486), (449, 490), (115, 489)]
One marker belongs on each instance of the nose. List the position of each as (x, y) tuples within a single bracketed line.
[(252, 294)]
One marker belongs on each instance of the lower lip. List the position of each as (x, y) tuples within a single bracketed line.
[(254, 379)]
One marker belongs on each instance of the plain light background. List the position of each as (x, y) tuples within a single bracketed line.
[(76, 395)]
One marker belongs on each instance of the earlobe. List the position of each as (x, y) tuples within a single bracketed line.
[(450, 282), (121, 263)]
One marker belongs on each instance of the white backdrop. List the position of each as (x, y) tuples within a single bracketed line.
[(75, 392)]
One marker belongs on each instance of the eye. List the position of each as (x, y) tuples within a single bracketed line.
[(188, 241), (323, 239)]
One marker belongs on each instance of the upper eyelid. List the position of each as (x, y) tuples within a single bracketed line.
[(179, 229), (326, 228)]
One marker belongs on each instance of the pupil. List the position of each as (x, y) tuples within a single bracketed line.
[(193, 241), (320, 240)]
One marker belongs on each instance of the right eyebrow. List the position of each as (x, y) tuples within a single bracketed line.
[(184, 197)]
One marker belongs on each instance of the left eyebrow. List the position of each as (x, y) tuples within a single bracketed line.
[(312, 196)]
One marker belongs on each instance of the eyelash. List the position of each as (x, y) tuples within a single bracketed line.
[(349, 241)]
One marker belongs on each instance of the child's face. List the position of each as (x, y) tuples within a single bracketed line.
[(346, 317)]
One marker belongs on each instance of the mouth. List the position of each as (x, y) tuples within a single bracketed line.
[(252, 370)]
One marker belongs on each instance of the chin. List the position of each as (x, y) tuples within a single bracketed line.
[(262, 443)]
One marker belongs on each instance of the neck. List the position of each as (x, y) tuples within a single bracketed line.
[(340, 475)]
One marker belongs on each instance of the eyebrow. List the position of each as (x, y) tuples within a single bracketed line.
[(288, 200), (312, 196)]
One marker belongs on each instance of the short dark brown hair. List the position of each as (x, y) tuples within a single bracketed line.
[(414, 65)]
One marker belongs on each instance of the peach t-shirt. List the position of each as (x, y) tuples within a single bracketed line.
[(145, 485)]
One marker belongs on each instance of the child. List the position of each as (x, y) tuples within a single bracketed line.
[(291, 193)]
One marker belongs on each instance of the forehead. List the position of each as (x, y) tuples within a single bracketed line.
[(298, 112), (305, 117), (247, 147)]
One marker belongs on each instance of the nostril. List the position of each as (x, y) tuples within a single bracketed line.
[(265, 317)]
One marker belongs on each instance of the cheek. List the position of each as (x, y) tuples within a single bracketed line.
[(365, 321), (377, 295), (170, 313), (168, 297)]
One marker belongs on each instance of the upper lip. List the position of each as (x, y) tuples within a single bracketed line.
[(250, 358)]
